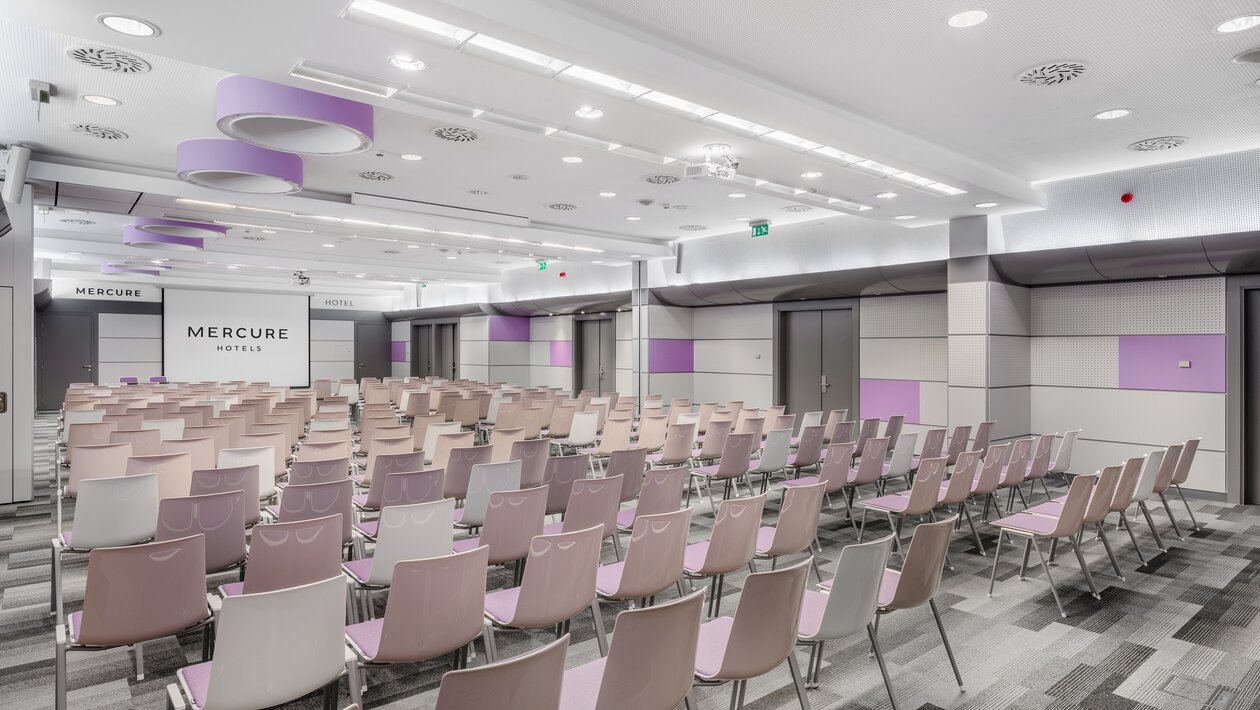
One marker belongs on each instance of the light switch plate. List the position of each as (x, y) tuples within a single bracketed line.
[(1183, 363)]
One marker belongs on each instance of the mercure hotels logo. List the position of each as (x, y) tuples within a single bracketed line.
[(253, 336)]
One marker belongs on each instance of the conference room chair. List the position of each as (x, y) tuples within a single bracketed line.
[(732, 467), (324, 422), (848, 609), (933, 447), (261, 456), (405, 488), (279, 449), (653, 562), (958, 443), (323, 450), (750, 424), (990, 478), (834, 418), (512, 519), (144, 442), (870, 430), (759, 638), (168, 428), (1033, 527), (136, 594), (583, 433), (272, 648), (201, 450), (833, 472), (485, 479), (1168, 475), (539, 602), (447, 443), (796, 530), (559, 475), (236, 424), (729, 548), (305, 473), (868, 472), (86, 434), (1063, 459), (1156, 463), (954, 493), (561, 423), (650, 662), (774, 456), (174, 472), (291, 554), (1130, 474), (809, 449), (616, 437), (1039, 465), (502, 440), (714, 439), (317, 500), (892, 430), (432, 433), (219, 434), (383, 447), (1179, 476), (382, 466), (921, 501), (403, 532), (222, 480), (630, 465), (459, 467), (652, 431), (126, 421), (1013, 473), (1096, 510), (533, 455), (530, 680), (661, 492), (592, 502), (218, 517), (705, 413), (984, 431)]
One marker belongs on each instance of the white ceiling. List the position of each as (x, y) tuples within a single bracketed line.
[(900, 88)]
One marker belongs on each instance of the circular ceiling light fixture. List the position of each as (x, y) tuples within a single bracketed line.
[(904, 216), (607, 194), (811, 174), (293, 120), (886, 195), (633, 219), (131, 26), (128, 269), (985, 205), (101, 100), (742, 219), (411, 156), (717, 149), (402, 61), (571, 159), (589, 112), (1238, 24), (737, 195), (234, 166), (1112, 113), (968, 18), (328, 246), (180, 228), (135, 237)]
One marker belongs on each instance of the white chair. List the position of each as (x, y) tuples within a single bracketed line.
[(262, 456), (902, 459), (582, 432), (109, 512), (809, 419), (270, 648), (169, 428), (1064, 457), (431, 434), (330, 424), (405, 532), (774, 456), (486, 478), (1146, 488), (82, 416)]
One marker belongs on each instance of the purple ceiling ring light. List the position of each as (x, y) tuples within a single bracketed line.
[(230, 165), (127, 269), (281, 117), (133, 236), (180, 228)]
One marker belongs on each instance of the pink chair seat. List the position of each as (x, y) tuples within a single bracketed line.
[(273, 511), (693, 556), (709, 471), (625, 518), (765, 538), (553, 528), (791, 461), (359, 479), (359, 569), (367, 636), (196, 679), (608, 578), (459, 514), (66, 539), (656, 456), (501, 604), (894, 503), (359, 500), (468, 543), (711, 647), (888, 586), (812, 607), (593, 451), (1027, 522), (581, 685), (368, 528), (802, 481), (232, 589)]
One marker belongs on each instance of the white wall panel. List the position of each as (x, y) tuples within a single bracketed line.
[(754, 390), (508, 352), (934, 403), (1010, 310), (670, 384), (332, 330), (625, 355), (748, 321), (332, 350), (967, 405), (1009, 361), (1139, 416), (129, 325), (1131, 308), (332, 370), (399, 369), (512, 374), (911, 316), (625, 325), (551, 328), (625, 382), (542, 376), (109, 372), (400, 330), (540, 353), (480, 373), (904, 358), (129, 349), (670, 322), (474, 328), (748, 357), (473, 352), (1085, 361)]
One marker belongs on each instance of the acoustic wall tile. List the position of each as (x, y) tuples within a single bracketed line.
[(723, 322), (749, 357), (1085, 361), (400, 330), (911, 316), (670, 384), (625, 355), (330, 330), (967, 405), (967, 360), (129, 325), (1131, 308), (968, 308), (904, 358), (1009, 361), (1010, 309)]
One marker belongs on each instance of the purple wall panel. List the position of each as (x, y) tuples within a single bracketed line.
[(509, 328), (1150, 362), (562, 353), (886, 398), (671, 355), (398, 351)]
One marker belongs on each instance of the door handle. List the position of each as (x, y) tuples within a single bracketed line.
[(362, 365), (87, 367), (4, 402), (825, 384)]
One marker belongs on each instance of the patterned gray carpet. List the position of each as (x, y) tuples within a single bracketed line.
[(1181, 632)]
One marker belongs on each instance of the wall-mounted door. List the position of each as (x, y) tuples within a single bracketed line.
[(1251, 397), (816, 356), (65, 352), (7, 422), (446, 350), (371, 350), (597, 355), (422, 350)]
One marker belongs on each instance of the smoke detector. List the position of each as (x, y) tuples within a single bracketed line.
[(1052, 74), (111, 60)]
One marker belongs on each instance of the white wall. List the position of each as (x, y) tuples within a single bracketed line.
[(332, 349), (904, 338), (474, 348), (128, 345), (544, 330), (400, 332), (734, 354)]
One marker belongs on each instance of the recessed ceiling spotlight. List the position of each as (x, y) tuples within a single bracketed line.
[(74, 253), (571, 159), (633, 219), (741, 219), (968, 18), (1112, 113), (268, 231), (132, 26), (360, 276), (983, 205), (1238, 24), (413, 246), (636, 256), (412, 156), (737, 195), (588, 112), (101, 100), (233, 266), (904, 216), (402, 61), (329, 246), (717, 148), (811, 174), (451, 258), (886, 195), (607, 194), (597, 261)]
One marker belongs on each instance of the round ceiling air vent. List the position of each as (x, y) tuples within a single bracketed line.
[(109, 60), (693, 228), (562, 206), (251, 238), (78, 221), (456, 134), (1161, 143), (92, 130), (375, 176), (391, 251), (797, 208), (1052, 74), (478, 192), (521, 177), (661, 179)]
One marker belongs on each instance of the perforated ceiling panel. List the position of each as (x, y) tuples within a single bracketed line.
[(1131, 308)]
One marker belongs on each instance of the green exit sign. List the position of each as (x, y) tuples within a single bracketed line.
[(761, 229), (542, 266)]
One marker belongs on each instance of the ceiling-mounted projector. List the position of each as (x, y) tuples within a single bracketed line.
[(720, 167)]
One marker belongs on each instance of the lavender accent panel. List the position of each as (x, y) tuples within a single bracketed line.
[(1150, 362), (398, 351), (886, 398), (515, 328), (562, 353), (671, 355)]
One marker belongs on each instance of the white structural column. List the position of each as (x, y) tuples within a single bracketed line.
[(17, 361)]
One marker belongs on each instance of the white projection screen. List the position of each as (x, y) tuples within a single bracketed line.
[(227, 335)]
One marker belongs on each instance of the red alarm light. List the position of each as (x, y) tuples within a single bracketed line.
[(1126, 198), (563, 274)]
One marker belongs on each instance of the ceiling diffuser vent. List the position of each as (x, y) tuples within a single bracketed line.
[(78, 221), (1161, 143), (1052, 74), (456, 134), (92, 130), (520, 177), (662, 179), (562, 206), (478, 193), (254, 239), (391, 252), (797, 208), (375, 176), (109, 60), (693, 228)]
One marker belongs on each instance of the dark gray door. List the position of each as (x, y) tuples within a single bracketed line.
[(445, 351), (597, 355), (422, 350), (66, 352), (607, 356), (371, 350), (801, 336), (1251, 397), (837, 360)]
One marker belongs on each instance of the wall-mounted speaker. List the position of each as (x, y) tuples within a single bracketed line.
[(678, 254), (15, 174)]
